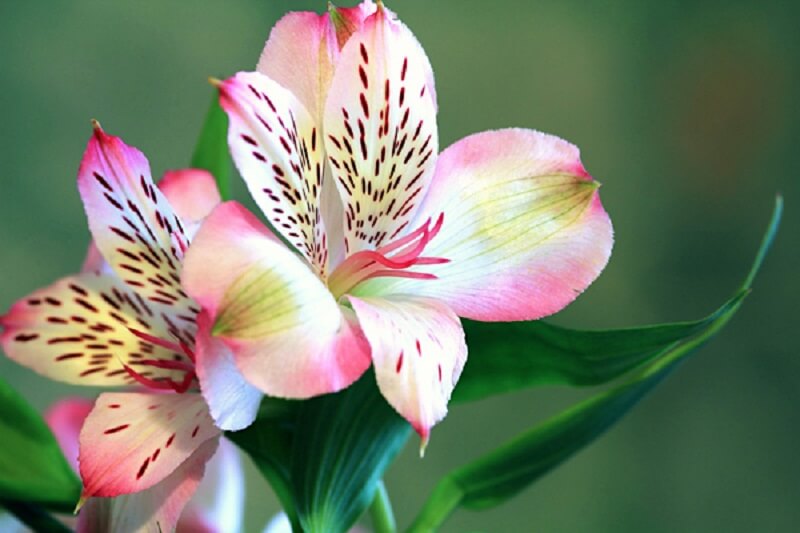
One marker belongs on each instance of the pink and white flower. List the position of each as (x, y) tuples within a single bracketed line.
[(217, 506), (389, 242), (125, 320)]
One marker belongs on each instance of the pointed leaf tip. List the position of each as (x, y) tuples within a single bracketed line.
[(508, 469)]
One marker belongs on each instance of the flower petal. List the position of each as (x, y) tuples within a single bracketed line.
[(65, 419), (78, 330), (133, 225), (154, 510), (524, 228), (418, 351), (287, 334), (232, 401), (95, 262), (278, 151), (192, 193), (218, 504), (380, 130), (303, 48), (131, 441)]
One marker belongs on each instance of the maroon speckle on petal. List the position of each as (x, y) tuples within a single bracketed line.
[(196, 429), (67, 356), (116, 429), (142, 469), (102, 182)]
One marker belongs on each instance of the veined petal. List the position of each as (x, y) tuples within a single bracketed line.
[(232, 401), (154, 510), (192, 193), (524, 230), (65, 419), (380, 131), (133, 225), (131, 441), (218, 504), (78, 330), (278, 151), (303, 48), (288, 336), (418, 351)]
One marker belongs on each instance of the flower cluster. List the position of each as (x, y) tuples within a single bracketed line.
[(371, 246)]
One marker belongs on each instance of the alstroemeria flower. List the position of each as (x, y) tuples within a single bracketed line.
[(217, 506), (503, 225), (125, 321)]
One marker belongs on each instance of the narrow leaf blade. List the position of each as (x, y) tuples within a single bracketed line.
[(503, 473), (32, 467), (508, 357)]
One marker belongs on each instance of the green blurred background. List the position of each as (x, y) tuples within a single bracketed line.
[(685, 111)]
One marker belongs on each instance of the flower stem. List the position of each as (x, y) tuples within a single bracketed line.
[(380, 511)]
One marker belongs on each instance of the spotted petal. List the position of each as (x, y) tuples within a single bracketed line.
[(78, 330), (380, 131), (288, 335), (131, 441), (524, 228), (278, 150), (418, 351), (154, 510), (191, 192), (303, 48), (133, 225)]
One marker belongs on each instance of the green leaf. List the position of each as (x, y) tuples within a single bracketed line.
[(507, 470), (268, 441), (211, 151), (343, 444), (32, 467), (510, 356)]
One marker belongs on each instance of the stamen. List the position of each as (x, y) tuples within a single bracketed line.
[(369, 264), (180, 347), (165, 384), (157, 340), (169, 365), (400, 274)]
